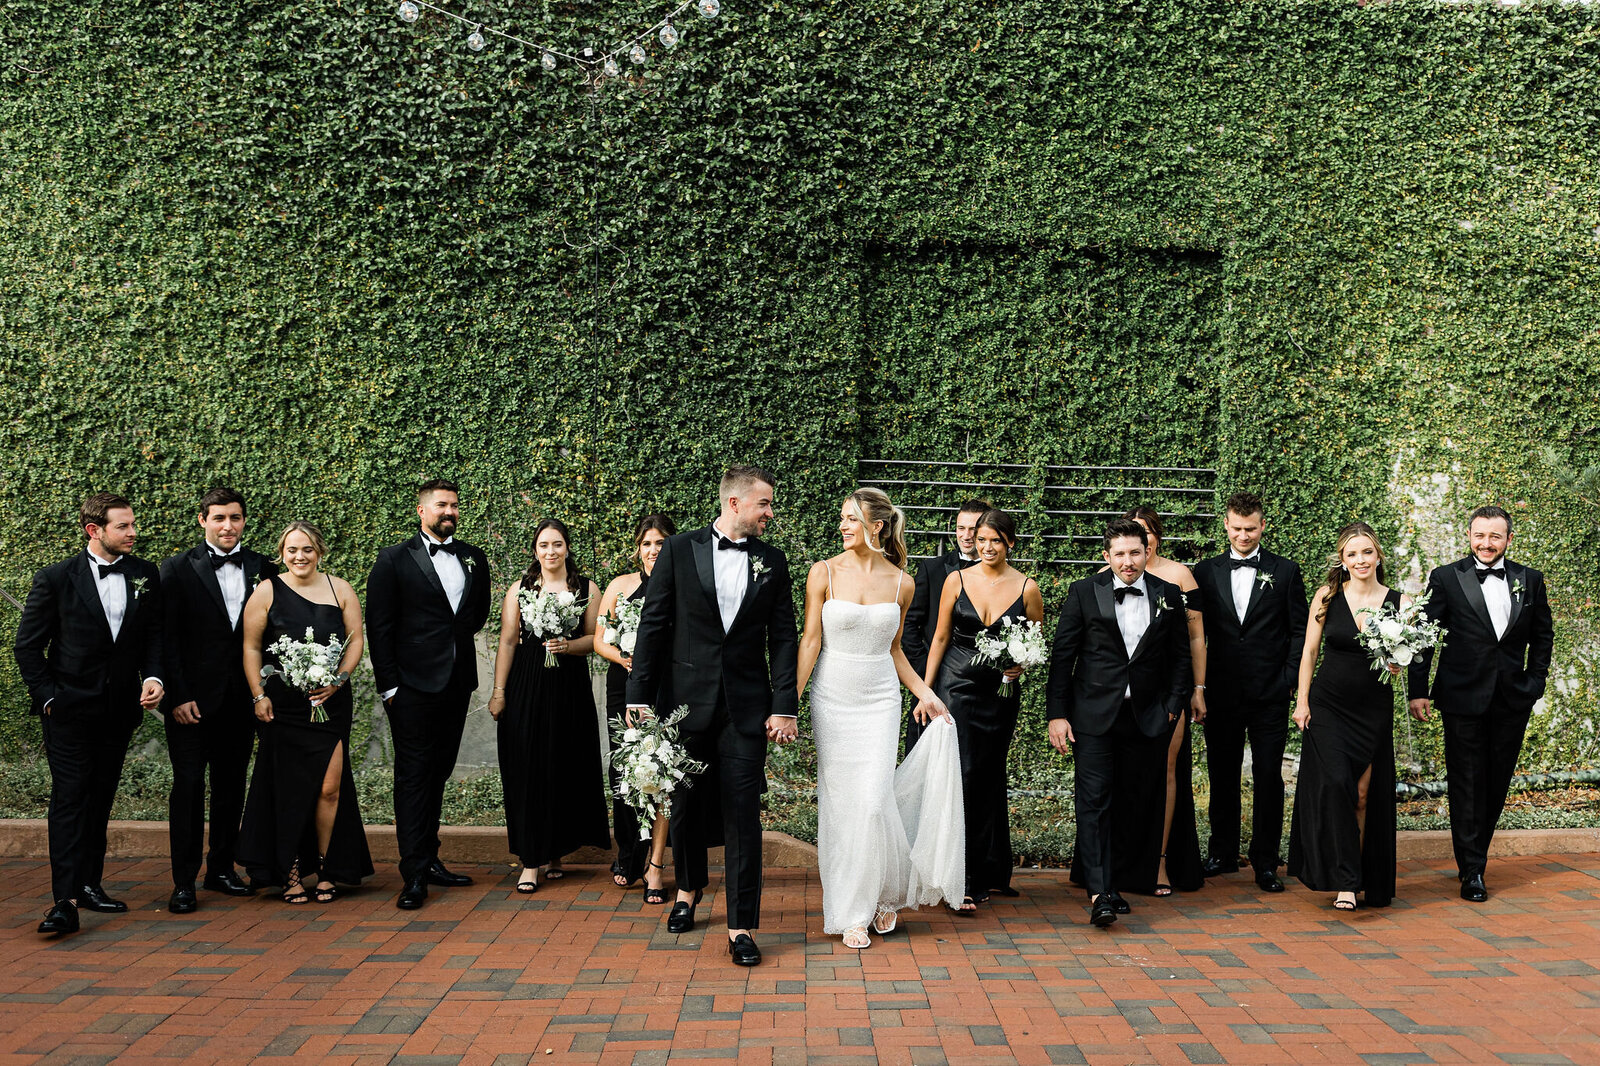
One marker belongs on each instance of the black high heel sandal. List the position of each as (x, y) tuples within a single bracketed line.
[(1163, 888), (656, 897), (294, 890), (321, 894)]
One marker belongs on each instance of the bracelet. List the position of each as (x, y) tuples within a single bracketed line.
[(342, 677), (258, 699), (1200, 688)]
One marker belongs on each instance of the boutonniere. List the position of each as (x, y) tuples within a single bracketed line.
[(1161, 604), (1264, 577), (758, 567), (469, 562), (137, 584), (1516, 589)]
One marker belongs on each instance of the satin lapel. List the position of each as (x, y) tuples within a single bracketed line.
[(1151, 596), (1474, 593), (419, 553), (252, 576), (83, 580), (1515, 575), (1257, 586), (468, 572), (1222, 577), (1108, 611), (752, 586), (132, 607), (208, 579), (708, 574)]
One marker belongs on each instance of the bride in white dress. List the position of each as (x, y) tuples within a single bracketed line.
[(887, 838)]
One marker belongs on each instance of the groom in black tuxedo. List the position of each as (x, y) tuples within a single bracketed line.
[(1492, 671), (89, 649), (427, 597), (1119, 678), (922, 617), (717, 634), (209, 719), (1255, 621)]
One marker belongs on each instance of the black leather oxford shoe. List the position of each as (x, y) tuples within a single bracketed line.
[(1104, 911), (413, 895), (182, 901), (94, 898), (438, 875), (1267, 881), (1473, 890), (229, 884), (61, 919)]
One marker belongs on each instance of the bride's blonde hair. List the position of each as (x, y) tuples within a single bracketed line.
[(870, 506)]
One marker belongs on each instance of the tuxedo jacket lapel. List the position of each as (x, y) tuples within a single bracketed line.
[(708, 574), (1151, 596), (200, 561), (468, 573), (83, 580), (751, 587), (419, 553), (1515, 574), (130, 609), (1222, 574), (1474, 594), (1258, 587), (1108, 612)]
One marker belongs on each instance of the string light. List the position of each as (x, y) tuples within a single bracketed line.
[(596, 67)]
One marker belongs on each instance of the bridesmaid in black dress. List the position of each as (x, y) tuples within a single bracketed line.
[(985, 720), (301, 820), (1342, 833), (549, 738), (634, 858)]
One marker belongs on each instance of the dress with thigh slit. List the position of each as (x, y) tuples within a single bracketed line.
[(280, 816)]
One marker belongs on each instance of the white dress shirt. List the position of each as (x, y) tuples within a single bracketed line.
[(1133, 617), (113, 590), (731, 572), (1243, 580), (231, 580), (451, 574), (1497, 596)]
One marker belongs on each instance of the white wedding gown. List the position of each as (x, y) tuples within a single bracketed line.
[(886, 837)]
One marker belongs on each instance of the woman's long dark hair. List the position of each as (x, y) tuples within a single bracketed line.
[(658, 522), (534, 574)]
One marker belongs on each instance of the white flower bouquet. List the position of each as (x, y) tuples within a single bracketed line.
[(306, 665), (621, 629), (651, 765), (1396, 637), (1019, 643), (548, 615)]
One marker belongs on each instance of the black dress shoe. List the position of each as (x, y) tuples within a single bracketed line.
[(744, 951), (228, 884), (1473, 889), (182, 901), (94, 898), (413, 895), (1120, 905), (61, 919), (436, 874), (1104, 912), (681, 920), (1214, 867), (1268, 881)]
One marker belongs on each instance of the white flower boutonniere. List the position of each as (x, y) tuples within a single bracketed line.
[(468, 562), (137, 584), (1263, 577), (757, 567), (1516, 590), (1161, 604)]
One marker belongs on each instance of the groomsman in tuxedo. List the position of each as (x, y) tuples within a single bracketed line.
[(1255, 620), (89, 648), (717, 634), (427, 597), (1119, 677), (1492, 671), (209, 719), (922, 617)]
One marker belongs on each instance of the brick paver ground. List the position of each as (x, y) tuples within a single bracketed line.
[(582, 972)]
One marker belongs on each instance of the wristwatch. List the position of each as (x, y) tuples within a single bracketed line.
[(342, 677)]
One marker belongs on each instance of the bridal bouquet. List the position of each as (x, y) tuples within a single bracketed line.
[(651, 764), (548, 615), (1019, 643), (1395, 637), (306, 665), (622, 625)]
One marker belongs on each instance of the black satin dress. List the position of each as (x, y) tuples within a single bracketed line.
[(550, 765), (1351, 728), (280, 825), (985, 724), (632, 853)]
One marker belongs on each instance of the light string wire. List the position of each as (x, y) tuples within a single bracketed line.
[(410, 9)]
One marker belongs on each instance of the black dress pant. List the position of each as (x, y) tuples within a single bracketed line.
[(726, 797), (1103, 766), (1267, 726), (426, 729), (85, 750), (221, 743), (1480, 758)]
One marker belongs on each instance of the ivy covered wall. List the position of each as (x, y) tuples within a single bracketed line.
[(1349, 255)]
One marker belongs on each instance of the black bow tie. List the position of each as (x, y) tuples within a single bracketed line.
[(106, 571), (1125, 591), (1485, 573), (724, 544), (435, 549), (219, 561), (963, 562), (1254, 563)]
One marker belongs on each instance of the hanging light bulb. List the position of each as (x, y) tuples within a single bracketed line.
[(475, 40), (611, 68), (548, 60), (408, 11), (709, 8), (669, 35), (636, 53)]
